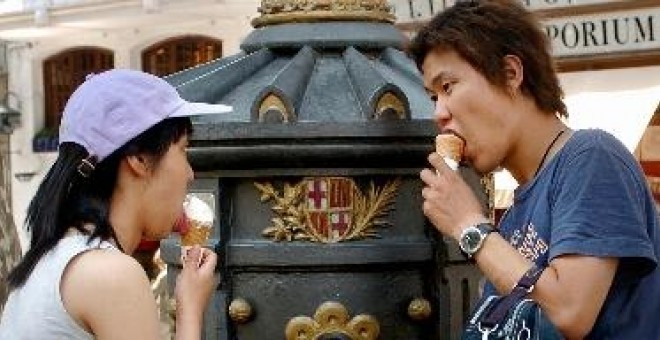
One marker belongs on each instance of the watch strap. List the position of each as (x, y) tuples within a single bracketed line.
[(485, 228)]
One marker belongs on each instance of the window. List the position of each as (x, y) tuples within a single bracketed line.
[(63, 73), (176, 54)]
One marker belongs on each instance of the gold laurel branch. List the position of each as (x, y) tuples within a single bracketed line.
[(289, 223), (267, 191), (368, 209), (278, 231)]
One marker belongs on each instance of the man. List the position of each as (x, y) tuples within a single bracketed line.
[(582, 209)]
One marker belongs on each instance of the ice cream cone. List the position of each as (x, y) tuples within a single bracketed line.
[(199, 218), (198, 233), (450, 147)]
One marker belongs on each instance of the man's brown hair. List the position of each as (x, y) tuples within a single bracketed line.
[(483, 32)]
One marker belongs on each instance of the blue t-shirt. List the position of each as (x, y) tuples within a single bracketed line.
[(592, 199)]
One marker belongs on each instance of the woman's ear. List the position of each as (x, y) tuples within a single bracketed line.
[(514, 72), (139, 165)]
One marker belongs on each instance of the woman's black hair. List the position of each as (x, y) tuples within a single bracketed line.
[(66, 198)]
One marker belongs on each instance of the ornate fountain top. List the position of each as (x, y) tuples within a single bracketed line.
[(288, 11)]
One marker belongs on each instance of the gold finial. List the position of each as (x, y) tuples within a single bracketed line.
[(240, 311), (419, 309), (288, 11)]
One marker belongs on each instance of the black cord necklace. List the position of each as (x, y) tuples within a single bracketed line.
[(547, 151)]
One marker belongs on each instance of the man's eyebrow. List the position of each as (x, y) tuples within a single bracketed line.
[(441, 76)]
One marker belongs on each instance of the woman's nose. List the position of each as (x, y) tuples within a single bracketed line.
[(191, 173)]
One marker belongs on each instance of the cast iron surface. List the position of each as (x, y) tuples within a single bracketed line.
[(335, 99)]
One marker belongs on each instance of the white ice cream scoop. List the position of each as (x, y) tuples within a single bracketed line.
[(197, 210)]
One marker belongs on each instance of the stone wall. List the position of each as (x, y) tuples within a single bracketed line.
[(10, 251)]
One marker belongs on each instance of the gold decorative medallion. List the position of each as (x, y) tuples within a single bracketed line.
[(332, 318), (390, 102), (273, 102), (288, 11), (327, 209)]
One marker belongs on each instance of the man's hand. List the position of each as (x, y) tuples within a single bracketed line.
[(449, 203)]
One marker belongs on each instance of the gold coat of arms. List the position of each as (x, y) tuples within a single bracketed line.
[(327, 209)]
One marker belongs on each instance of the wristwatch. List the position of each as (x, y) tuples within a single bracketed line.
[(472, 238)]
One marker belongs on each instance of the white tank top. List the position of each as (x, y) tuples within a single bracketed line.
[(35, 310)]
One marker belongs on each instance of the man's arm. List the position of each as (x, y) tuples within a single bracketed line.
[(571, 290)]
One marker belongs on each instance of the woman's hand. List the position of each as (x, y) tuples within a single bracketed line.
[(449, 203), (194, 287)]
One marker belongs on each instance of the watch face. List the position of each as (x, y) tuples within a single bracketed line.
[(470, 240)]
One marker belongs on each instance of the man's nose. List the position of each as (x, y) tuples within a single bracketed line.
[(441, 114)]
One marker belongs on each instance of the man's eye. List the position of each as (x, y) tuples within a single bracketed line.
[(446, 87)]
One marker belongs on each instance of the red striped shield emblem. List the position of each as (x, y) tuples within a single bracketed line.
[(330, 206)]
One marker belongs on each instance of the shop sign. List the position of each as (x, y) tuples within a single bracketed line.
[(624, 31), (419, 10)]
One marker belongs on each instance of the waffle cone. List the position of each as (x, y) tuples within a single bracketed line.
[(449, 146), (198, 233)]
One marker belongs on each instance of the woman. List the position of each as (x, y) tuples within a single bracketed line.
[(583, 210), (121, 176)]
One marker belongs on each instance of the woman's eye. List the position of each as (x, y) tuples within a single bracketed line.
[(432, 95)]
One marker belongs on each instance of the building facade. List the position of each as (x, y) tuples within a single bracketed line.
[(49, 46), (10, 251), (52, 45), (9, 245)]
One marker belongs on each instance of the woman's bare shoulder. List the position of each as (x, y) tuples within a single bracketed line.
[(103, 289), (108, 268)]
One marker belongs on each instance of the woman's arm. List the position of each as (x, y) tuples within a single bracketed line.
[(108, 294), (194, 287)]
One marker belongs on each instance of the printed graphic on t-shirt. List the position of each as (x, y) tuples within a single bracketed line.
[(528, 242)]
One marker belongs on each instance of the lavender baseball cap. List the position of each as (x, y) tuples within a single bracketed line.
[(111, 108)]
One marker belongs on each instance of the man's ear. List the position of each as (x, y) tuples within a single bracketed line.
[(138, 164), (514, 72)]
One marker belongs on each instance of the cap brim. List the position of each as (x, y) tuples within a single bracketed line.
[(196, 109)]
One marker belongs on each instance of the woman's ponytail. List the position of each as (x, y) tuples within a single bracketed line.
[(44, 212)]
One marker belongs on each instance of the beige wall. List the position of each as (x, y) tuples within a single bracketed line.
[(9, 245)]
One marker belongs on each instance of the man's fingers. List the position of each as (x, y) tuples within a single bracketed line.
[(428, 176), (438, 163)]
